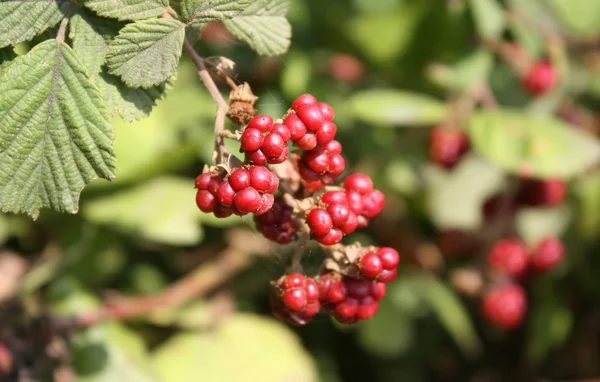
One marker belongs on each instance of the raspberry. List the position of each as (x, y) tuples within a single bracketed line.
[(311, 116), (349, 299), (505, 306), (379, 265), (542, 193), (358, 182), (326, 133), (332, 237), (277, 224), (447, 146), (508, 256), (296, 298), (239, 179), (295, 126), (540, 78), (260, 178), (548, 253), (321, 164), (265, 142)]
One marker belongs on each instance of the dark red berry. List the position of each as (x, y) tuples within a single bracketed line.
[(333, 147), (307, 142), (295, 299), (326, 133), (337, 164), (257, 157), (548, 254), (505, 306), (311, 116), (339, 213), (273, 145), (282, 130), (540, 78), (202, 181), (447, 146), (350, 225), (332, 237), (543, 192), (373, 204), (389, 257), (225, 194)]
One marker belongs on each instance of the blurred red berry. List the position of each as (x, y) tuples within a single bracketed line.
[(540, 78), (505, 306)]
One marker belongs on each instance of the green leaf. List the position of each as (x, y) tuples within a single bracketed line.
[(391, 107), (455, 198), (587, 190), (173, 218), (22, 20), (551, 323), (105, 352), (128, 9), (535, 224), (451, 313), (203, 11), (489, 17), (146, 53), (90, 35), (579, 16), (263, 26), (55, 136), (131, 103), (262, 350), (534, 145)]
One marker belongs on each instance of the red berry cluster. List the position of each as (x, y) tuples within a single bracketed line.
[(264, 141), (505, 305), (540, 78), (312, 130), (277, 224), (447, 145), (348, 299), (296, 299), (245, 190), (379, 265), (340, 212)]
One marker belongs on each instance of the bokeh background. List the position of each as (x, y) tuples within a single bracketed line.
[(391, 70)]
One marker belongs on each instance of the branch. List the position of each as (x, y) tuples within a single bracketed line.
[(195, 284), (222, 106)]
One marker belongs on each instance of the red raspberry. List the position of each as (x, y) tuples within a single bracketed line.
[(260, 178), (543, 193), (332, 237), (349, 299), (239, 179), (508, 256), (277, 224), (380, 265), (296, 298), (363, 200), (265, 142), (321, 164), (447, 146), (540, 79), (505, 306), (548, 253), (295, 126)]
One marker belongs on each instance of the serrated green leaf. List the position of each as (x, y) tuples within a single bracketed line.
[(173, 218), (489, 17), (391, 107), (262, 349), (145, 53), (203, 11), (454, 199), (263, 26), (90, 35), (55, 135), (534, 145), (128, 9), (131, 103), (22, 20)]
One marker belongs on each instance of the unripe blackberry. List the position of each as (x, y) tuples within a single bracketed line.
[(296, 298)]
